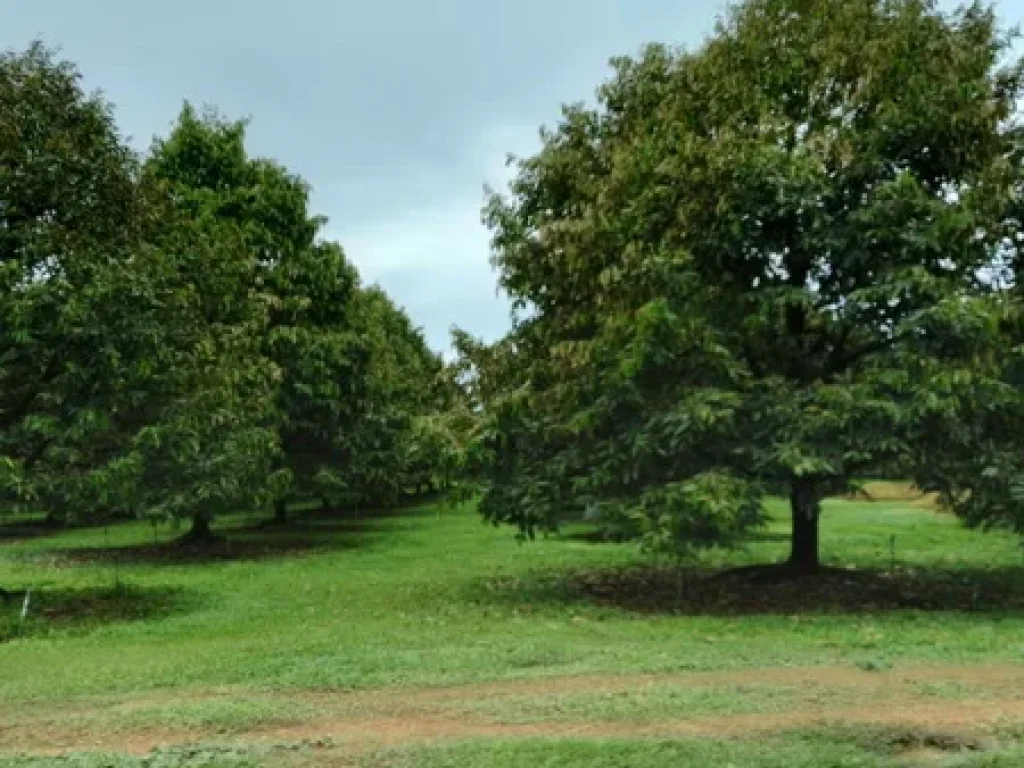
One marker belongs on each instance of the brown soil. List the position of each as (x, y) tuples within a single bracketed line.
[(961, 715)]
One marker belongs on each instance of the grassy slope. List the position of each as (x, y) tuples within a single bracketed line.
[(404, 601)]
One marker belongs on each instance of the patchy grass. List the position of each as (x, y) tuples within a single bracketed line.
[(186, 757), (645, 703), (333, 604), (798, 750), (616, 753)]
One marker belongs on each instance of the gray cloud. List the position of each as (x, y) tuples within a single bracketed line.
[(396, 111)]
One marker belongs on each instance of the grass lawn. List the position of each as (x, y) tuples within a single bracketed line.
[(426, 638)]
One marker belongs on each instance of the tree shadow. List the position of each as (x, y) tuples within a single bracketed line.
[(316, 528), (340, 520), (764, 537), (27, 527), (589, 535), (24, 529), (422, 508), (64, 609), (262, 539), (695, 591), (230, 548)]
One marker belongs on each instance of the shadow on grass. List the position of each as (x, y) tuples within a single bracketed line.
[(63, 609), (313, 533), (588, 535), (233, 547), (312, 528), (333, 520), (38, 526), (29, 528), (762, 537), (708, 592)]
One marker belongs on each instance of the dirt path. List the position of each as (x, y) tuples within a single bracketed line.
[(987, 696), (960, 716)]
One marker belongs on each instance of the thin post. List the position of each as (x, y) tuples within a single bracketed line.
[(24, 605)]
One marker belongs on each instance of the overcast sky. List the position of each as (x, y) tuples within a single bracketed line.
[(396, 111)]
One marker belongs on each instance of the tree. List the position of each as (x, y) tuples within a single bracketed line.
[(971, 429), (309, 334), (325, 362), (209, 443), (126, 380), (396, 437), (358, 387), (70, 219), (736, 267), (89, 303)]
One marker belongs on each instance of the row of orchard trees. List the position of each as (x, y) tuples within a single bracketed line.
[(777, 263), (175, 337)]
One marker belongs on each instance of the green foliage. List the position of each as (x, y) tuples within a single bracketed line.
[(127, 378), (357, 398), (307, 286), (62, 257), (735, 268), (970, 423), (175, 340), (402, 443), (716, 509)]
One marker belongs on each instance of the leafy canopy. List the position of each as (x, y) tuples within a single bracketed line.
[(729, 266), (357, 381), (126, 374)]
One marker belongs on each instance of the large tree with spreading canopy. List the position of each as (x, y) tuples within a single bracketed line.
[(741, 269)]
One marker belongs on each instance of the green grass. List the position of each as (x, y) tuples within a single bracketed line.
[(428, 599)]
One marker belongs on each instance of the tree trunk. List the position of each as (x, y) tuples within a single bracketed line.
[(200, 532), (805, 503), (281, 511)]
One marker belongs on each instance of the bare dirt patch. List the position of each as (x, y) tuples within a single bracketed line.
[(965, 715)]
